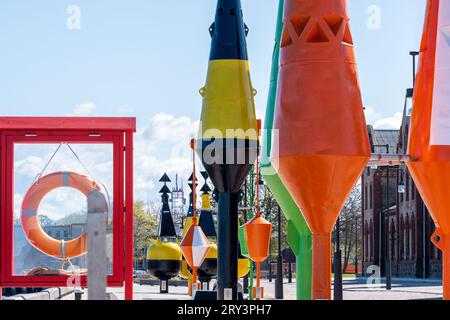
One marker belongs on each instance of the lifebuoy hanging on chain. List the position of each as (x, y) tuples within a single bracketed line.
[(37, 237)]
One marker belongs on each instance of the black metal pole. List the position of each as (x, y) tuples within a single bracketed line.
[(227, 259), (356, 246), (387, 232), (386, 241), (290, 272), (337, 268), (245, 219), (269, 215), (279, 279)]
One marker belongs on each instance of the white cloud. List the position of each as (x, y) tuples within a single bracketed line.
[(164, 127), (30, 166), (62, 202), (379, 122), (162, 146), (371, 114), (393, 122), (83, 109)]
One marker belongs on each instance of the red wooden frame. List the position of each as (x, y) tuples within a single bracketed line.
[(116, 131)]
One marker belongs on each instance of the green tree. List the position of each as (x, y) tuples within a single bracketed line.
[(45, 221), (145, 229), (73, 218), (350, 227)]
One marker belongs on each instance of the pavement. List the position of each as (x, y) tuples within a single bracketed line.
[(354, 289)]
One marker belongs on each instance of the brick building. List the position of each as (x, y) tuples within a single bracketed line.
[(389, 194)]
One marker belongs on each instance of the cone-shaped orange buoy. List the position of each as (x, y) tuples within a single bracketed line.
[(320, 145), (429, 144), (257, 232)]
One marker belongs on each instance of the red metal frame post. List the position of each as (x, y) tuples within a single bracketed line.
[(129, 205)]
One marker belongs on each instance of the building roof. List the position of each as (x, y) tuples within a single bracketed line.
[(379, 139)]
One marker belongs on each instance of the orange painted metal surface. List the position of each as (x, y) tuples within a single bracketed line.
[(258, 232), (322, 145), (430, 167)]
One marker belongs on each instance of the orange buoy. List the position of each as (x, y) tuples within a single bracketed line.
[(322, 145), (429, 144), (30, 221), (195, 245), (258, 231)]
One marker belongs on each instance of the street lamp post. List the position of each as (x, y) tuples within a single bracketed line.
[(269, 218), (387, 232), (356, 246), (338, 294), (414, 54), (245, 220), (279, 279), (409, 97), (384, 256)]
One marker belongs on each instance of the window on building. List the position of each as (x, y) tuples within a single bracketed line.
[(401, 182), (407, 239), (366, 241), (372, 240), (371, 197), (392, 239), (413, 237), (407, 185), (402, 238), (365, 196)]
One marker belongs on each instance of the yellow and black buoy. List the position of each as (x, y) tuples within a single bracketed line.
[(164, 261), (227, 141), (164, 258)]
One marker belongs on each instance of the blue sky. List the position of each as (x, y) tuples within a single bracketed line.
[(148, 58)]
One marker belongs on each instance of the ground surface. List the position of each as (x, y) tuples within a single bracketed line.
[(354, 289)]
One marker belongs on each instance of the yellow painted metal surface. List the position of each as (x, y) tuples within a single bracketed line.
[(228, 101), (164, 251)]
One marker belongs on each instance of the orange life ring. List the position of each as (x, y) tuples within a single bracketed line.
[(37, 237)]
